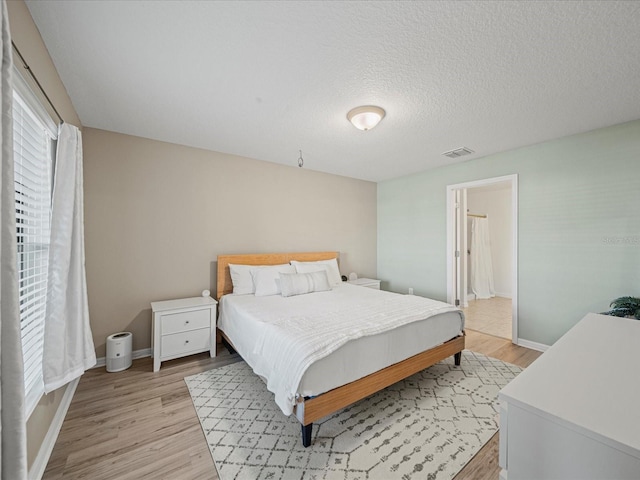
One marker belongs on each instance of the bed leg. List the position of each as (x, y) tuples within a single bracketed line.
[(306, 434), (228, 346), (457, 358)]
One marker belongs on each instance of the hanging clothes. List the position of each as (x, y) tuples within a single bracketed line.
[(481, 263)]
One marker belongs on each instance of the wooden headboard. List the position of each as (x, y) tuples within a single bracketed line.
[(225, 286)]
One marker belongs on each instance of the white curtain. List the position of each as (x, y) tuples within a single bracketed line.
[(13, 453), (481, 263), (68, 342)]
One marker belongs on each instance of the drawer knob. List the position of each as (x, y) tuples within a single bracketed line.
[(186, 341), (187, 322)]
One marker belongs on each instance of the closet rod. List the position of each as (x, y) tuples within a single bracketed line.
[(476, 215), (28, 69)]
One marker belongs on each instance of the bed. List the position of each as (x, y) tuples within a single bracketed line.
[(393, 340)]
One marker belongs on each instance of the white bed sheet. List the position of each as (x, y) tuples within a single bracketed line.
[(245, 318)]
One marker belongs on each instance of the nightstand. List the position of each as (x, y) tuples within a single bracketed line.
[(182, 327), (366, 282)]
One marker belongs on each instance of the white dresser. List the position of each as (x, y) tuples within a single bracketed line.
[(182, 327), (575, 412)]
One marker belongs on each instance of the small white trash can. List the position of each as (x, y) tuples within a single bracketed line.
[(119, 355)]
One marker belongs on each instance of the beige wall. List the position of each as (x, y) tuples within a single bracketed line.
[(25, 35), (158, 214)]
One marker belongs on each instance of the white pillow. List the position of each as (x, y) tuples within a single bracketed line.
[(264, 279), (301, 283), (333, 272), (312, 267), (242, 279)]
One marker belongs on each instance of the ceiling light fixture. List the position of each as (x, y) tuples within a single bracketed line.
[(365, 118)]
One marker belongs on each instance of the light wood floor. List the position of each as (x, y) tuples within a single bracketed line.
[(139, 425), (484, 466)]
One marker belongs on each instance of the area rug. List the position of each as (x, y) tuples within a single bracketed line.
[(427, 426)]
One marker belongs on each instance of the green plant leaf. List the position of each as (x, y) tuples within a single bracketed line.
[(625, 307), (630, 302), (620, 312)]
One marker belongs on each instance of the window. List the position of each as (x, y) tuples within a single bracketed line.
[(33, 149)]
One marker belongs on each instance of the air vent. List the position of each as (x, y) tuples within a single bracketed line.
[(458, 152)]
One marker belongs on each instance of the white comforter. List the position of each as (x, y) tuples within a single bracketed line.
[(294, 332)]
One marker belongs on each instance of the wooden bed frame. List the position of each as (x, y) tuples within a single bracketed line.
[(309, 410)]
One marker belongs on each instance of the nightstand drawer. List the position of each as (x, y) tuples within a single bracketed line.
[(184, 342), (184, 321)]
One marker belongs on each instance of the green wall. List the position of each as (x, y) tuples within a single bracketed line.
[(578, 230)]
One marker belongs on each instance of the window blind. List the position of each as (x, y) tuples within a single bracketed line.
[(33, 159)]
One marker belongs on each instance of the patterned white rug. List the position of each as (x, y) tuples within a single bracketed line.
[(425, 427)]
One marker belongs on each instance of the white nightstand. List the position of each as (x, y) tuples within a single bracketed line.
[(182, 327), (366, 282)]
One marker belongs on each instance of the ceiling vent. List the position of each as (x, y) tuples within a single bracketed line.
[(458, 152)]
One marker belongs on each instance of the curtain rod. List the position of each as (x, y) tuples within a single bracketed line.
[(476, 215), (28, 69)]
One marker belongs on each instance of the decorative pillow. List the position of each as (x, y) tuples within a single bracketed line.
[(301, 283), (333, 272), (267, 279), (242, 279)]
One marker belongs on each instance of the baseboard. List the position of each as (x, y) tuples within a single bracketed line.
[(40, 463), (541, 347), (503, 295), (145, 352), (472, 296)]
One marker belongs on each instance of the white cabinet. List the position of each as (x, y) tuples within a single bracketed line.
[(366, 282), (182, 327), (573, 413)]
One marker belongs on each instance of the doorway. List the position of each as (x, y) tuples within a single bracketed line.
[(482, 228)]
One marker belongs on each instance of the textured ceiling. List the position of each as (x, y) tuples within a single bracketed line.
[(266, 79)]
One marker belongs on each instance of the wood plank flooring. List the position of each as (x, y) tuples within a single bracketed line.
[(484, 466), (137, 424)]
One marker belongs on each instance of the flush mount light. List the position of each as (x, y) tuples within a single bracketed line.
[(365, 118)]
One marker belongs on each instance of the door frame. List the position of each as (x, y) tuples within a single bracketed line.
[(452, 275)]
